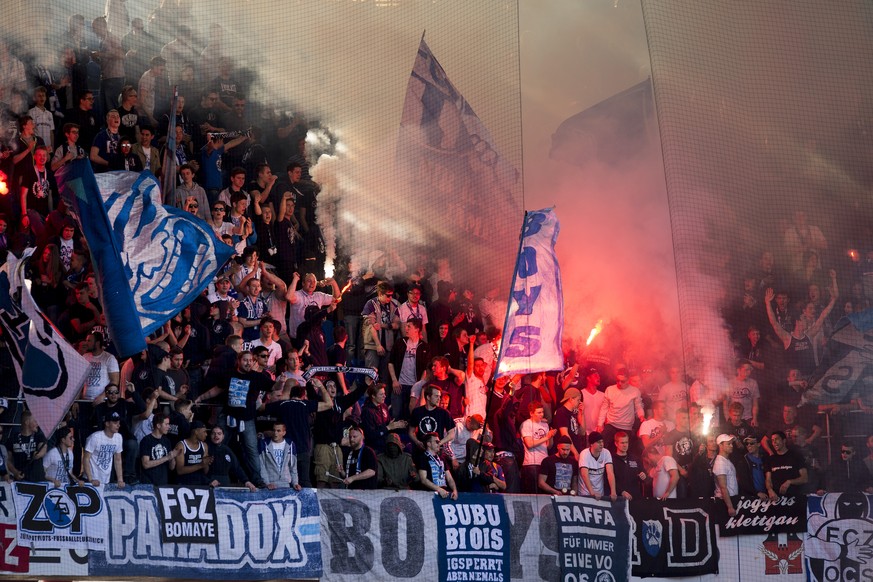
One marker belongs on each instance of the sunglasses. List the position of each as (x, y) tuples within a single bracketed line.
[(112, 392), (192, 205), (264, 356), (845, 452), (218, 210)]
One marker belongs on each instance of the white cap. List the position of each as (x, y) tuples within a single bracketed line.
[(724, 438)]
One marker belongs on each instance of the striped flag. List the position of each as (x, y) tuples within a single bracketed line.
[(535, 317), (151, 260)]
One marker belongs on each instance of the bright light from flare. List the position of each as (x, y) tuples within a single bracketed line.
[(346, 287), (594, 332), (4, 189), (328, 269), (707, 419), (854, 255)]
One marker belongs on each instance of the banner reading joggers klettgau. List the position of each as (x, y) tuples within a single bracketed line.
[(535, 317)]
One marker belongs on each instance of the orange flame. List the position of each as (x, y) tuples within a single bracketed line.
[(3, 188), (347, 287), (853, 254), (594, 332)]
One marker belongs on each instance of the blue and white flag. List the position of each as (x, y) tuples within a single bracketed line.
[(50, 371), (152, 260), (535, 317), (845, 369), (448, 166)]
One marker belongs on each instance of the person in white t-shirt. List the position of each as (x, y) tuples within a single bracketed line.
[(300, 299), (653, 430), (595, 464), (592, 399), (726, 484), (476, 390), (674, 393), (664, 473), (103, 369), (102, 452), (58, 462), (536, 436)]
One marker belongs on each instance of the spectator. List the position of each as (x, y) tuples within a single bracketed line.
[(744, 390), (750, 472), (225, 463), (536, 436), (380, 322), (278, 461), (664, 474), (630, 475), (300, 299), (396, 469), (785, 469), (192, 469), (570, 421), (103, 453), (375, 419), (157, 456), (726, 485), (432, 471), (126, 410), (327, 432), (557, 472), (407, 365), (27, 446), (58, 462), (621, 401), (653, 430), (849, 473), (361, 464), (595, 466), (430, 418), (105, 150), (466, 429), (111, 58), (150, 158)]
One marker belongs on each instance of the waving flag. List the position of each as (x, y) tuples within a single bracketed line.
[(168, 182), (152, 260), (846, 367), (49, 369), (535, 317), (449, 166)]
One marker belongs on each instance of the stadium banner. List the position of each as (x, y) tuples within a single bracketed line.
[(19, 559), (385, 535), (839, 541), (756, 516), (472, 538), (187, 514), (534, 319), (261, 535), (594, 537), (67, 517), (674, 538)]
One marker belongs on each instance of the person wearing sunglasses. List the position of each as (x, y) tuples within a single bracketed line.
[(847, 473)]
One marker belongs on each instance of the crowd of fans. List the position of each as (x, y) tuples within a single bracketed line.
[(220, 396)]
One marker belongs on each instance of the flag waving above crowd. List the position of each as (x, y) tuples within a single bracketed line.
[(152, 260)]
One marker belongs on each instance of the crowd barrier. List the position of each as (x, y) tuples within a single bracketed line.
[(342, 535)]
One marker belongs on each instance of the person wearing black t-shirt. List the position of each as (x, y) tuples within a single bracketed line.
[(157, 456), (569, 421), (785, 470), (327, 432), (360, 465), (431, 418), (557, 472), (629, 471)]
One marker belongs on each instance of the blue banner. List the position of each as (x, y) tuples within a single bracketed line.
[(152, 260), (839, 540), (535, 317), (261, 535), (593, 538), (473, 538)]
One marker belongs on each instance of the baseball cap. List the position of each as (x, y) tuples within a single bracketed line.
[(591, 370), (113, 416), (724, 438), (571, 393)]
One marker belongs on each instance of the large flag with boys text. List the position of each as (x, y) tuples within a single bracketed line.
[(152, 260), (535, 317)]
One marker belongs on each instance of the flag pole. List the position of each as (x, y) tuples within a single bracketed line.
[(500, 347)]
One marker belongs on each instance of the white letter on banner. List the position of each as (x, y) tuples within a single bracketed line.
[(123, 525), (232, 542), (259, 520), (168, 499), (450, 515), (186, 496), (286, 516)]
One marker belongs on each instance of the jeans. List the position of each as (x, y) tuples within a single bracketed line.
[(353, 345), (248, 442)]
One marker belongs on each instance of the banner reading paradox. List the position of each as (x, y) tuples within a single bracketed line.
[(261, 535), (677, 536), (839, 542), (535, 317), (761, 516), (593, 538), (152, 260), (473, 538)]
